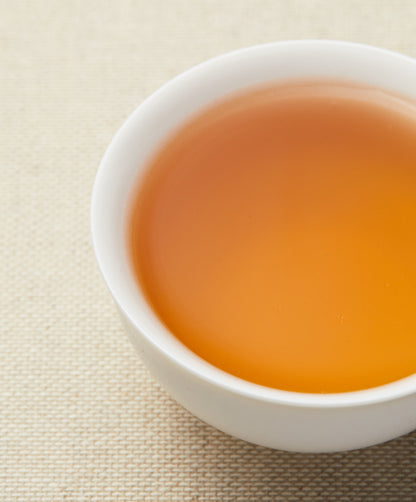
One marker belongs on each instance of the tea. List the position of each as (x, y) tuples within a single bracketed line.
[(275, 236)]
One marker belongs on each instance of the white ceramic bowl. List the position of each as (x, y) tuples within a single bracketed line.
[(269, 417)]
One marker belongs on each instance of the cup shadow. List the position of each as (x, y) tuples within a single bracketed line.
[(229, 469)]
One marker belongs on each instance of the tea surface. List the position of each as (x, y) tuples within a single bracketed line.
[(275, 236)]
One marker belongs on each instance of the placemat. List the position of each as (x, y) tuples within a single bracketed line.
[(80, 417)]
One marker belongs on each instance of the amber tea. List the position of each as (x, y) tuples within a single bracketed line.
[(275, 236)]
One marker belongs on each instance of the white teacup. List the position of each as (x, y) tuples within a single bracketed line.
[(268, 417)]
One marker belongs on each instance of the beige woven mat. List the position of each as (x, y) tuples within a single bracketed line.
[(80, 417)]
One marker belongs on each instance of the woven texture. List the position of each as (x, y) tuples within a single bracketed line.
[(80, 417)]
